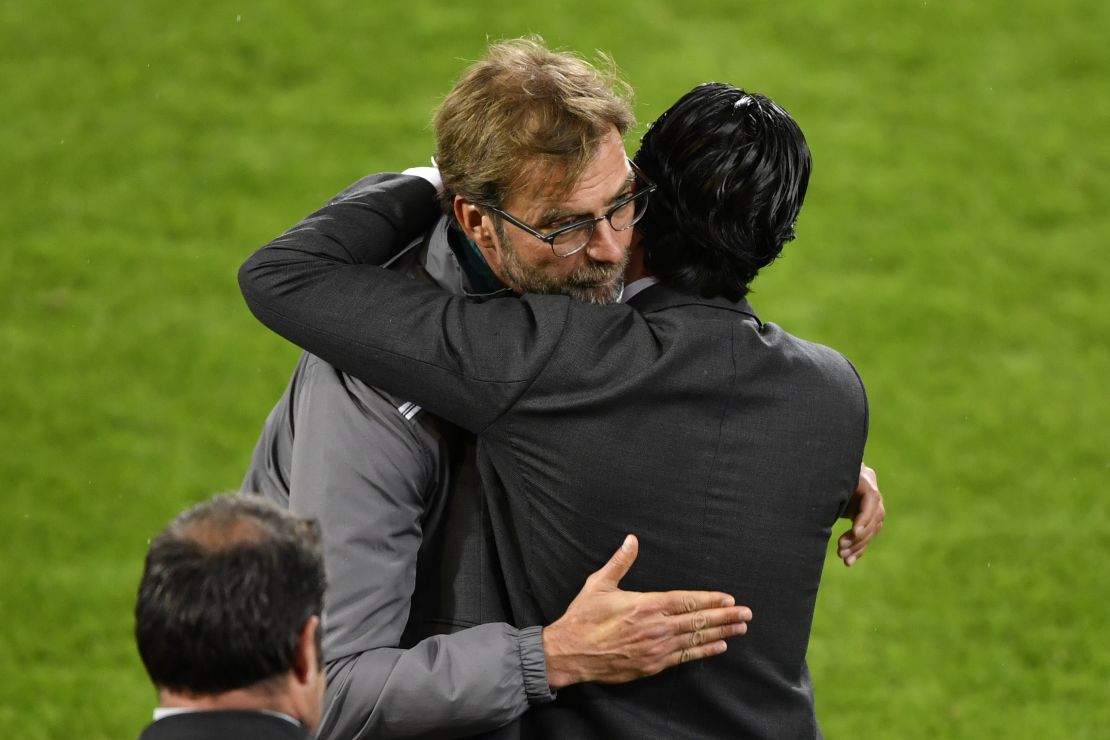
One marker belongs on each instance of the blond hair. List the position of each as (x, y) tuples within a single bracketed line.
[(522, 104)]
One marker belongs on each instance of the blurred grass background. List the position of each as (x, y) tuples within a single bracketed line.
[(952, 245)]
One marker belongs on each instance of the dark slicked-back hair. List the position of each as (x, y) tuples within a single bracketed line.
[(732, 169), (228, 586)]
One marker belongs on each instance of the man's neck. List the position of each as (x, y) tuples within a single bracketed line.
[(636, 269), (238, 699)]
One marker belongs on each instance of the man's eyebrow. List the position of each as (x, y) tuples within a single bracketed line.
[(554, 215), (551, 215), (629, 182)]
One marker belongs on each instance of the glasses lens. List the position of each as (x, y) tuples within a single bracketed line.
[(623, 215), (629, 213), (570, 241)]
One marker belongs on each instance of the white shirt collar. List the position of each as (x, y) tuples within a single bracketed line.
[(637, 286), (163, 712)]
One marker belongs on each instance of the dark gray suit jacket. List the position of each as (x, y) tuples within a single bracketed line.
[(223, 725), (728, 446)]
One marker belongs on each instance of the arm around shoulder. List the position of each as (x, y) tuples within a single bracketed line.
[(366, 224)]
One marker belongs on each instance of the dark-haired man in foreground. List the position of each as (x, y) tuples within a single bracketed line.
[(729, 446), (227, 622)]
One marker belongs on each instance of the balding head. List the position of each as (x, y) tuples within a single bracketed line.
[(227, 590)]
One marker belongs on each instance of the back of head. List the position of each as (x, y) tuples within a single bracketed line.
[(226, 589), (522, 104), (732, 169)]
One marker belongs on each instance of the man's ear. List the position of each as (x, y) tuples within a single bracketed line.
[(476, 224), (309, 682), (307, 658)]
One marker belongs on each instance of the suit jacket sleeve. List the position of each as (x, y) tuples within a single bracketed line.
[(317, 286), (360, 472)]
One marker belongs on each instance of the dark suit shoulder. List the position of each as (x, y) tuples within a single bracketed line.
[(830, 375), (827, 359), (223, 725)]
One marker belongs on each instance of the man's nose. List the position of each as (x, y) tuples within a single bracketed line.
[(607, 244)]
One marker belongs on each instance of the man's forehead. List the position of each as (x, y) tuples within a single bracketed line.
[(546, 187)]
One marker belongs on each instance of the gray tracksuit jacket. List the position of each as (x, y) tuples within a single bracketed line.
[(416, 642)]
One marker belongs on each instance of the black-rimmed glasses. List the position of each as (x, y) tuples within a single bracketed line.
[(573, 238)]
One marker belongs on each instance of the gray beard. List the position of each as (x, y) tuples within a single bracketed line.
[(581, 285)]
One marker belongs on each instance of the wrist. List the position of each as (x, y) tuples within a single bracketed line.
[(533, 665), (560, 668)]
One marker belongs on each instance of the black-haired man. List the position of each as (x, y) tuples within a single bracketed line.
[(227, 622)]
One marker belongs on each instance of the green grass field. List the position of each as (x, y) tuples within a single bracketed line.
[(952, 246)]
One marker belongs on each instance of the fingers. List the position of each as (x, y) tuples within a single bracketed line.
[(867, 518), (700, 637), (695, 653), (684, 649), (709, 618), (688, 602), (610, 574), (704, 625), (851, 549), (852, 543), (692, 642), (707, 626)]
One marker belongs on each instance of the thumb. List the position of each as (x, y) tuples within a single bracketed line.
[(618, 566)]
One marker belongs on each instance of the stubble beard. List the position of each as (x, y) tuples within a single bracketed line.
[(595, 282)]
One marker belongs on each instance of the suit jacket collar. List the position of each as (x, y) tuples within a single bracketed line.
[(660, 296), (223, 725)]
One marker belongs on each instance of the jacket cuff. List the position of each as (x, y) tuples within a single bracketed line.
[(533, 665)]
